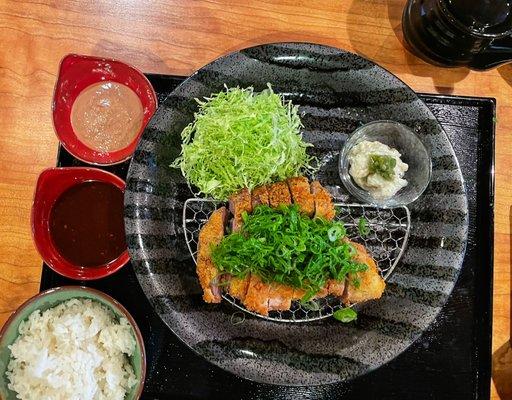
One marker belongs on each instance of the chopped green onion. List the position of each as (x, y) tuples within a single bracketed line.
[(311, 305), (345, 315), (336, 233), (356, 282), (382, 165), (237, 318), (282, 245), (362, 227)]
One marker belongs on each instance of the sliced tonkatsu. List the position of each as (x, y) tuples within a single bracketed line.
[(238, 287), (336, 288), (260, 195), (301, 194), (256, 298), (324, 206), (366, 285), (211, 233), (238, 204), (262, 297), (278, 193), (280, 297)]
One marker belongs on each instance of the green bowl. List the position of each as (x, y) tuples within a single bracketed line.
[(52, 297)]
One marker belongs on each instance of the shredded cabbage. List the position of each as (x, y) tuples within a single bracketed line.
[(242, 139)]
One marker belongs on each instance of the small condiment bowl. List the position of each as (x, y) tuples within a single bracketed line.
[(51, 298), (78, 72), (413, 153), (52, 183)]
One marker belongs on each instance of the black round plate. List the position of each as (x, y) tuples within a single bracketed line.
[(337, 91)]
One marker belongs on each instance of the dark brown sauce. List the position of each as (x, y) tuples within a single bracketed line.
[(86, 224)]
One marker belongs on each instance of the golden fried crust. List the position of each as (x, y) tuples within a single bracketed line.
[(256, 298), (301, 194), (335, 287), (332, 286), (280, 297), (211, 234), (238, 204), (238, 287), (279, 194), (371, 285), (324, 206), (321, 293), (259, 196), (298, 294)]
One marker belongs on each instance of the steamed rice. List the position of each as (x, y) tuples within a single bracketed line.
[(76, 350)]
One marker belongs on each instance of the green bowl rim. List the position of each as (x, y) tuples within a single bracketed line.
[(108, 299)]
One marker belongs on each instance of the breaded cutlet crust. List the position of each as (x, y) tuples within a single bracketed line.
[(301, 194), (239, 203), (279, 194), (280, 297), (211, 234), (259, 195), (324, 206), (238, 287), (256, 298), (371, 285)]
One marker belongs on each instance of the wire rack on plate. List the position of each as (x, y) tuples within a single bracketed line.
[(386, 239)]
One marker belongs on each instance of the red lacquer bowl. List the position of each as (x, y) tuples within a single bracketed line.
[(77, 73), (51, 184)]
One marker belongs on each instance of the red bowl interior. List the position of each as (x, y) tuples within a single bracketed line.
[(77, 73), (51, 184)]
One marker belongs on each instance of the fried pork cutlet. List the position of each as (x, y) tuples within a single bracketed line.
[(279, 194), (238, 204), (256, 298), (332, 286), (238, 287), (371, 285), (280, 297), (301, 194), (259, 196), (336, 288), (324, 206), (261, 297), (211, 233), (298, 294)]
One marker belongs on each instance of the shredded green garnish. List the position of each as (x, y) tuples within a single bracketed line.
[(362, 227), (282, 245), (382, 165), (241, 139), (345, 315), (237, 318)]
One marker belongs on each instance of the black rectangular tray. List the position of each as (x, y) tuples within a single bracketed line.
[(452, 360)]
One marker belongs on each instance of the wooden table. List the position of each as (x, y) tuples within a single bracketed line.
[(177, 37)]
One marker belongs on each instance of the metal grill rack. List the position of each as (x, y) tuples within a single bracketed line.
[(386, 239)]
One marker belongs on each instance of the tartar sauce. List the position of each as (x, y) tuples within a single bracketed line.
[(377, 168)]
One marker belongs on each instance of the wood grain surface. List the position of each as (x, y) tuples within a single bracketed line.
[(177, 37)]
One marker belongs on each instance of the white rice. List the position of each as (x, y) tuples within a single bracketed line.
[(74, 351)]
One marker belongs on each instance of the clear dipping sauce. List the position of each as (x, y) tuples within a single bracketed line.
[(86, 224), (107, 116)]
